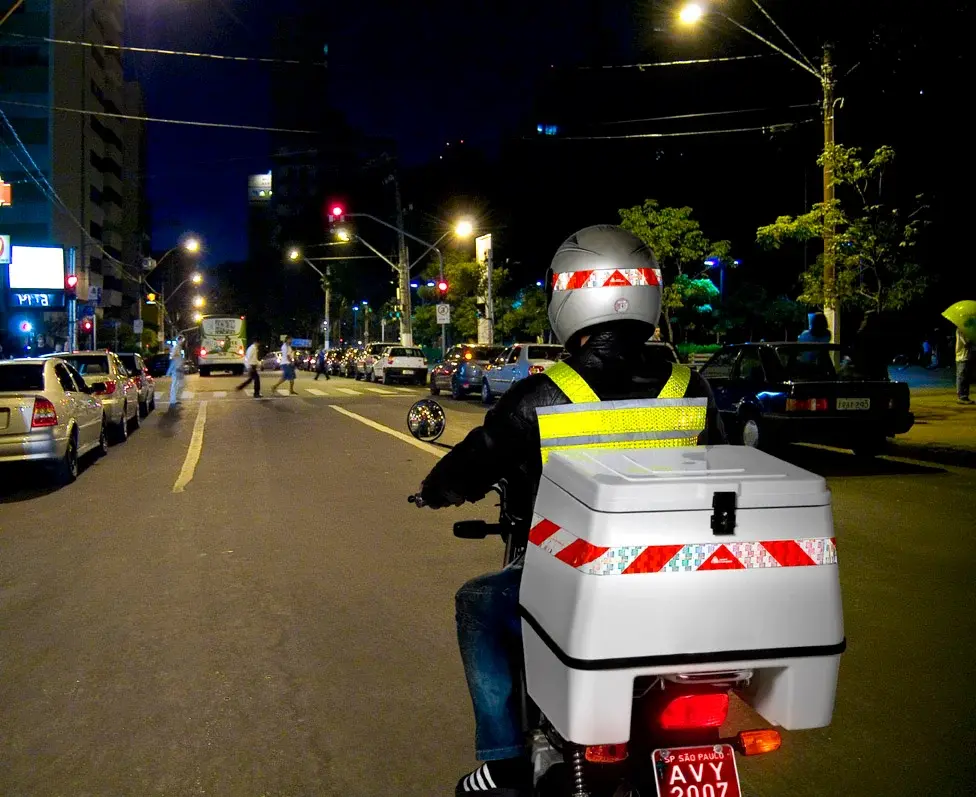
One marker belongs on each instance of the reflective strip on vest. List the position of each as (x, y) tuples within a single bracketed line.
[(670, 421)]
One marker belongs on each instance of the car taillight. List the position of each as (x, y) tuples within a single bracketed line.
[(536, 369), (108, 390), (606, 753), (44, 413), (203, 352), (389, 361), (758, 742), (700, 710), (806, 405), (240, 351)]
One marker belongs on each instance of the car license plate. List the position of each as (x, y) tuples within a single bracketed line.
[(853, 403), (706, 771)]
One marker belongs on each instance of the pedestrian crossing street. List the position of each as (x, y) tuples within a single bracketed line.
[(162, 397)]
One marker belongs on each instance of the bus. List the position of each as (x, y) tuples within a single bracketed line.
[(222, 342)]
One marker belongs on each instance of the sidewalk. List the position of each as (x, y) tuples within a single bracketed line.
[(944, 431)]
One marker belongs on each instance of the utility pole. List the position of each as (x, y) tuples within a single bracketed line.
[(490, 301), (73, 303), (328, 303), (831, 309), (406, 330)]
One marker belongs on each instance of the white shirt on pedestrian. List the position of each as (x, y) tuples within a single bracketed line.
[(251, 359), (286, 355), (176, 354)]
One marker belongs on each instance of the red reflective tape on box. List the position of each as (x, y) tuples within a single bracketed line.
[(636, 559)]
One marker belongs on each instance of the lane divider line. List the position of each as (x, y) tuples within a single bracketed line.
[(437, 452), (193, 452), (348, 392)]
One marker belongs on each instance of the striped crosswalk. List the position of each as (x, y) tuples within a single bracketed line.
[(162, 396)]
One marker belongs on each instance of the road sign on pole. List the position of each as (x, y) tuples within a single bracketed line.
[(137, 326), (95, 295), (443, 314)]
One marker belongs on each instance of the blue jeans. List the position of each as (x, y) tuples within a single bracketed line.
[(490, 639), (176, 386)]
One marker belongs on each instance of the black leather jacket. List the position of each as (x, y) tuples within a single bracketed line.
[(507, 445)]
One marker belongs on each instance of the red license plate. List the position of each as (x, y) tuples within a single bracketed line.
[(706, 771)]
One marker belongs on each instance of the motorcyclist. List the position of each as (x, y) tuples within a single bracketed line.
[(604, 292)]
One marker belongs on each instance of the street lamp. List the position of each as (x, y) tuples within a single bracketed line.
[(343, 235), (199, 302), (197, 317), (196, 278), (192, 245), (463, 229), (692, 13), (294, 255)]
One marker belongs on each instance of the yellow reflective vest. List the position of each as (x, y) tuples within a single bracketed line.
[(668, 421)]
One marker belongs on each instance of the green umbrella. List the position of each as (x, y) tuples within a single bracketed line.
[(963, 315)]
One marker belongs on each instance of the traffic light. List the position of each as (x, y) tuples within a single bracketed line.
[(86, 325), (337, 212), (71, 286), (150, 298), (442, 287)]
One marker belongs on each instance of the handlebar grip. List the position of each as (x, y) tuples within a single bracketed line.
[(415, 499)]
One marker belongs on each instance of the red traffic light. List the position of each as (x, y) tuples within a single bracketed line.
[(86, 325), (337, 210), (442, 286), (71, 281)]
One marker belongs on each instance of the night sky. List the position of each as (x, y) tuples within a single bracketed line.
[(426, 73)]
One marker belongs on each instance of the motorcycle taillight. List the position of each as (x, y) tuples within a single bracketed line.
[(695, 710)]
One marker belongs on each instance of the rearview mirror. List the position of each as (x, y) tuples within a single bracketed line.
[(426, 420)]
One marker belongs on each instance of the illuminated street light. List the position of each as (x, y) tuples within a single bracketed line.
[(192, 245), (294, 255), (343, 235), (196, 278), (691, 13), (199, 302), (197, 318), (463, 228)]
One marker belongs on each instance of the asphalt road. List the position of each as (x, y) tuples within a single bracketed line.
[(284, 624)]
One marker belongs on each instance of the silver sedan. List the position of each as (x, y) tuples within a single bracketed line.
[(48, 414), (108, 379)]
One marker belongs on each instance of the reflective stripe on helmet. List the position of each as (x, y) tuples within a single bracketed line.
[(605, 278)]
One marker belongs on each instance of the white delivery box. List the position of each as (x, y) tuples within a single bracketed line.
[(681, 560)]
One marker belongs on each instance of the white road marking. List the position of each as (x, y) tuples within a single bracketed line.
[(316, 391), (348, 392), (194, 451), (437, 452), (220, 394), (187, 395), (381, 391)]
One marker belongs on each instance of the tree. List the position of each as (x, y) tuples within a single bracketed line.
[(679, 245), (874, 245), (525, 317)]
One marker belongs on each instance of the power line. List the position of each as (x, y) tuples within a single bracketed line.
[(130, 117), (762, 128), (158, 51), (707, 113), (690, 62)]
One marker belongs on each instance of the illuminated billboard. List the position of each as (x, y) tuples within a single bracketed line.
[(36, 268)]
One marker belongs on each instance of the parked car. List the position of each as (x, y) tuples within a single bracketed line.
[(158, 364), (772, 393), (364, 362), (462, 369), (516, 363), (333, 361), (138, 370), (271, 361), (347, 367), (48, 414), (401, 363), (108, 379)]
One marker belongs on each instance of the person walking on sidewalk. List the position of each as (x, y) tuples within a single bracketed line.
[(320, 365), (175, 371), (252, 361), (964, 367), (287, 367)]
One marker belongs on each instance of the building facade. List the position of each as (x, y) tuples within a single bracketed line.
[(76, 174)]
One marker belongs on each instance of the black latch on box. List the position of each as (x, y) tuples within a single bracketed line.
[(723, 514)]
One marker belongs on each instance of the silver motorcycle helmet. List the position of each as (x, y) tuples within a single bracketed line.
[(602, 274)]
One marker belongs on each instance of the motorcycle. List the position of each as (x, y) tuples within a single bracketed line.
[(675, 748)]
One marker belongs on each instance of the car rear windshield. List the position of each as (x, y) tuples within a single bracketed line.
[(129, 361), (20, 378), (544, 352), (89, 364), (485, 353), (406, 353), (805, 363)]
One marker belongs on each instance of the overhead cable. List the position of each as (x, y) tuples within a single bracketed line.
[(685, 134), (708, 113)]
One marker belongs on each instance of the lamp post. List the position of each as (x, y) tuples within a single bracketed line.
[(189, 244), (691, 14), (295, 255)]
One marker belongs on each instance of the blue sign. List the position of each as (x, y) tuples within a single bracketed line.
[(301, 343), (39, 301), (85, 310)]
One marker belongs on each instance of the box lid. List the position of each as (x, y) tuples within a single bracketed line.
[(670, 479)]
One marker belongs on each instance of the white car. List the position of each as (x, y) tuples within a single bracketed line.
[(402, 363), (48, 414)]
